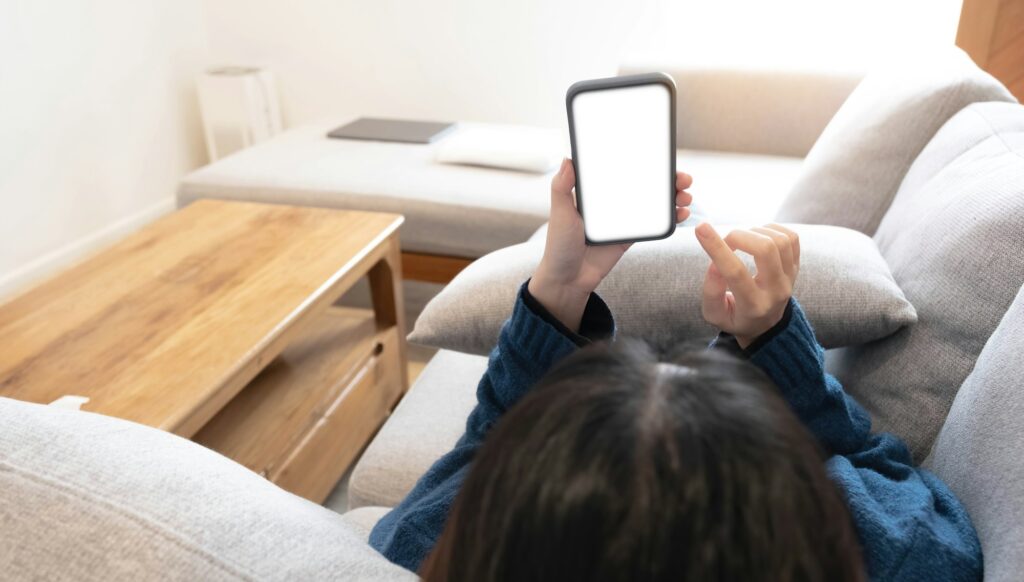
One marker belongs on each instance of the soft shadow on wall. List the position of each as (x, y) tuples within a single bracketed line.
[(100, 117), (492, 60), (99, 122)]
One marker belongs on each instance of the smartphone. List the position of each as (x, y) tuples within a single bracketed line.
[(622, 133)]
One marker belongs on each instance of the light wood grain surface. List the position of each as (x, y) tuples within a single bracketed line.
[(432, 268), (302, 421), (314, 466), (992, 33), (263, 423), (167, 326)]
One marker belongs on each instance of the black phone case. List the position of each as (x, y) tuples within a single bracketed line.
[(618, 83)]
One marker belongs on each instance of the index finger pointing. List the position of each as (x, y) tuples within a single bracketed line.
[(728, 264)]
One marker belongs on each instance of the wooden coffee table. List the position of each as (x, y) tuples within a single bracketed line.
[(219, 323)]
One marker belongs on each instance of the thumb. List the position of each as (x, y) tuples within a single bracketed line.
[(561, 187)]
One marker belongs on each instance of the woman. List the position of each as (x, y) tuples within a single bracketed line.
[(747, 462)]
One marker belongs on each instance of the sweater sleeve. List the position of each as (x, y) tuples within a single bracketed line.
[(793, 359), (910, 525), (529, 343)]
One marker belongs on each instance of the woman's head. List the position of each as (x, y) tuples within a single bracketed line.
[(618, 467)]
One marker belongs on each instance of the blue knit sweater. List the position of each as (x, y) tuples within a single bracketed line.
[(910, 525)]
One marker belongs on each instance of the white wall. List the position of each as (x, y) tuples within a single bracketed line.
[(827, 35), (98, 121), (98, 118), (512, 60), (482, 60)]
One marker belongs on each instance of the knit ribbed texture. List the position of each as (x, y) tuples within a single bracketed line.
[(795, 362), (909, 524), (911, 527), (527, 348)]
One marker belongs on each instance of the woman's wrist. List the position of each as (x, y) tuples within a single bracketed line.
[(565, 301), (744, 341)]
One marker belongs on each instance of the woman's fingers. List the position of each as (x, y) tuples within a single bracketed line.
[(764, 251), (794, 243), (683, 201), (728, 265), (782, 243), (733, 300), (561, 188), (684, 198), (683, 180)]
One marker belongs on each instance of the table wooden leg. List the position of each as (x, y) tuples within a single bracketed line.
[(388, 302)]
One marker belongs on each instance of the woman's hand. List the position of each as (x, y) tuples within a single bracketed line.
[(570, 269), (736, 302)]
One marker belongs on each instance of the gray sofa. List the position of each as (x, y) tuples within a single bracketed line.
[(745, 131), (944, 202), (86, 497)]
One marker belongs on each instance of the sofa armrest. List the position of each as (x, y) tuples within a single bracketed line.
[(767, 112), (96, 498)]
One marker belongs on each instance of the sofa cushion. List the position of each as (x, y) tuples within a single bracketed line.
[(978, 452), (362, 519), (954, 238), (89, 497), (844, 285), (452, 210), (732, 188), (424, 426), (751, 110), (854, 169)]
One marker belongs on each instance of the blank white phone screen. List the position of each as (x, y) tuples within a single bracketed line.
[(624, 161)]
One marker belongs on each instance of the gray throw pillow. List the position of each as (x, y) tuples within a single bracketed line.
[(954, 238), (978, 452), (854, 169), (655, 292)]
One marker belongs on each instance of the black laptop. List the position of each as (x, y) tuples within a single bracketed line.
[(400, 130)]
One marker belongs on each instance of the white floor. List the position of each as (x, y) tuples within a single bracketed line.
[(338, 499)]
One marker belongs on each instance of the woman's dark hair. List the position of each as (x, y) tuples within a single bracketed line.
[(618, 467)]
